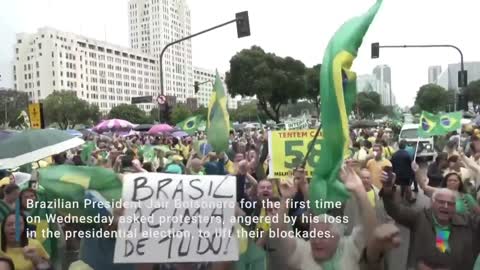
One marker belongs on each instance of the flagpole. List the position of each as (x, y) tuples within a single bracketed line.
[(312, 144), (416, 149)]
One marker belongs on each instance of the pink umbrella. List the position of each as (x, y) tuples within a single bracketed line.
[(113, 125), (160, 128)]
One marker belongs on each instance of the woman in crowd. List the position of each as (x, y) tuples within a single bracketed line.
[(27, 254), (465, 203)]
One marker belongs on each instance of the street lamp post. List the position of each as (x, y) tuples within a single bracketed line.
[(462, 75), (243, 29)]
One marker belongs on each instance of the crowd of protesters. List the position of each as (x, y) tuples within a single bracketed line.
[(443, 235)]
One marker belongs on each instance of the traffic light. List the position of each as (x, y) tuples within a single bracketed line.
[(196, 86), (243, 24), (462, 78), (375, 50)]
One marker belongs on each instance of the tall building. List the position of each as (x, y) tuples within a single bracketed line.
[(433, 73), (449, 78), (155, 23), (371, 83), (98, 72), (206, 79), (383, 74)]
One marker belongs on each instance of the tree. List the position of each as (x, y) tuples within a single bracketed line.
[(201, 111), (312, 76), (431, 98), (368, 103), (130, 113), (154, 114), (67, 110), (245, 113), (473, 92), (274, 80), (14, 102), (179, 113)]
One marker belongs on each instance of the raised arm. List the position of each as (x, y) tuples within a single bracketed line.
[(284, 246), (354, 184), (401, 214), (421, 177)]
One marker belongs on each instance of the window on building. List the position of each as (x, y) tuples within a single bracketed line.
[(38, 93), (38, 74), (61, 83), (53, 83), (38, 83)]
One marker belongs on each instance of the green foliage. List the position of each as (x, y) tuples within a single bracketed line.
[(130, 113), (274, 80), (312, 77), (473, 92), (201, 111), (432, 98), (368, 103), (67, 110), (179, 113), (154, 114), (14, 102)]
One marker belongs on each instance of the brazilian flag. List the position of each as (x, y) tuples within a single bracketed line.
[(438, 124), (218, 123), (77, 183), (338, 92), (191, 124), (147, 152), (451, 121)]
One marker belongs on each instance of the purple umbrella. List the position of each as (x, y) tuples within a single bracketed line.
[(160, 128), (180, 134), (113, 125)]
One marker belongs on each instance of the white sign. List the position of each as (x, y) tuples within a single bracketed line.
[(161, 99), (177, 218)]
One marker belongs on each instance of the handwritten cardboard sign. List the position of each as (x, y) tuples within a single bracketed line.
[(177, 218)]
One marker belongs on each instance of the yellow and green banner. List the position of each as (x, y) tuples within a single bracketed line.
[(287, 150)]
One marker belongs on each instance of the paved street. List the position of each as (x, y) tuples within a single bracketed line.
[(398, 258)]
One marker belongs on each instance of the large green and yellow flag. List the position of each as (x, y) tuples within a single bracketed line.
[(439, 124), (191, 124), (74, 184), (218, 122), (338, 92)]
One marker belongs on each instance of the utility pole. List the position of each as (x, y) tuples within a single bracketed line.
[(243, 30), (462, 74)]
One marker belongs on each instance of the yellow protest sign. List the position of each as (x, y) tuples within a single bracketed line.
[(35, 114), (287, 150)]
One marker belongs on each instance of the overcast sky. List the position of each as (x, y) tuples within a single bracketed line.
[(296, 28)]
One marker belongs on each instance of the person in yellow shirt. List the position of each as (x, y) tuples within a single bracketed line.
[(29, 254), (376, 165)]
